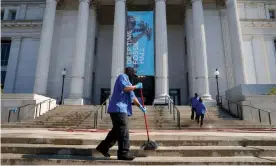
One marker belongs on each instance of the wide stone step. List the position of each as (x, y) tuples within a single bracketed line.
[(181, 151), (19, 159), (138, 140)]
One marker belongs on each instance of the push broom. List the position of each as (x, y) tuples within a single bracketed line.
[(149, 145)]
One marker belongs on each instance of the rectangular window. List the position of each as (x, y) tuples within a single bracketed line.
[(5, 52), (3, 76), (2, 15), (12, 15), (272, 14), (275, 44)]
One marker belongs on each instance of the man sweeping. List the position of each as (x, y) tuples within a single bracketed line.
[(120, 107)]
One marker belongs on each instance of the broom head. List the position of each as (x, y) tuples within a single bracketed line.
[(149, 145)]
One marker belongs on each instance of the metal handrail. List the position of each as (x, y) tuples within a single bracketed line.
[(18, 109), (172, 108), (239, 111), (96, 112)]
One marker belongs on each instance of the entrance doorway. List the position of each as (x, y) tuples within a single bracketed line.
[(175, 96), (148, 88), (105, 93)]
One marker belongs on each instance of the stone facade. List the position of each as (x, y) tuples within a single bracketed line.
[(236, 36)]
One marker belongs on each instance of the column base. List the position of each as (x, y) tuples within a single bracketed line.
[(161, 100), (76, 101), (208, 101)]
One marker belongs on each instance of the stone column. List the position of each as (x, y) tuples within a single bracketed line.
[(118, 48), (90, 54), (200, 51), (78, 62), (12, 65), (44, 53), (161, 54), (236, 42)]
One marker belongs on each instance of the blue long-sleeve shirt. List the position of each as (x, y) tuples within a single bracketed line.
[(121, 101), (200, 108), (194, 102)]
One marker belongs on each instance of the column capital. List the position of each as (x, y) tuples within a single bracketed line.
[(120, 0), (16, 38), (195, 1), (160, 1), (87, 1), (52, 1)]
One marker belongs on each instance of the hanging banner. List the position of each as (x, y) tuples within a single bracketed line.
[(140, 42)]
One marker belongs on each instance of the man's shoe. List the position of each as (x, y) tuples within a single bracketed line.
[(126, 157), (105, 154)]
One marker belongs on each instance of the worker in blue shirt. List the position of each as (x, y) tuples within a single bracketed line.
[(193, 104), (119, 108), (200, 111)]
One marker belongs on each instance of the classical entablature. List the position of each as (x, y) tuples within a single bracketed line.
[(260, 23)]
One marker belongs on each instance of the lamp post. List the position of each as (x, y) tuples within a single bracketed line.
[(216, 73), (63, 73)]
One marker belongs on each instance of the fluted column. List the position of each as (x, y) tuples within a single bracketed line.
[(78, 63), (12, 65), (44, 53), (118, 48), (200, 51), (236, 42), (161, 52)]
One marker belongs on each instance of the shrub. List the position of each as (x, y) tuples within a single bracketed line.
[(272, 91)]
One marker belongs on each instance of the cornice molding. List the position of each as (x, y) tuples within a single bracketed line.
[(21, 23), (3, 2), (263, 23)]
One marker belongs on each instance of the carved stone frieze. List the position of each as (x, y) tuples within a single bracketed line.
[(262, 23), (21, 23)]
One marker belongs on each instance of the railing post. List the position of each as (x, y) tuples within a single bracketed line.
[(9, 116), (238, 112), (269, 118), (96, 119), (229, 106), (39, 109), (260, 118), (18, 114), (101, 112), (49, 105), (170, 107), (173, 113), (178, 113)]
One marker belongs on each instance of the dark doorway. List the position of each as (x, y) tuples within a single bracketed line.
[(175, 95), (148, 88), (105, 93)]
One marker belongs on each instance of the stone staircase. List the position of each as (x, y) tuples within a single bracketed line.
[(82, 117), (60, 117), (175, 148)]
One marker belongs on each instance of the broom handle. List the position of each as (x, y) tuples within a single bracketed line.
[(145, 117)]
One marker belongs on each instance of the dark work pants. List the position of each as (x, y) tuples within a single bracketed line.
[(201, 116), (193, 110), (118, 133)]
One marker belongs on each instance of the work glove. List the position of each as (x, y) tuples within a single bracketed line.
[(143, 109), (139, 85)]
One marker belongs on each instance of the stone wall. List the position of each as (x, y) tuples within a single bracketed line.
[(30, 111), (254, 104)]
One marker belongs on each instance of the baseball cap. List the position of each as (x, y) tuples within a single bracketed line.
[(131, 70)]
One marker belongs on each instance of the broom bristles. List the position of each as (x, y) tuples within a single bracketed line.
[(149, 145)]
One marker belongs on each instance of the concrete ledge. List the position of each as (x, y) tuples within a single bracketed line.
[(11, 101)]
